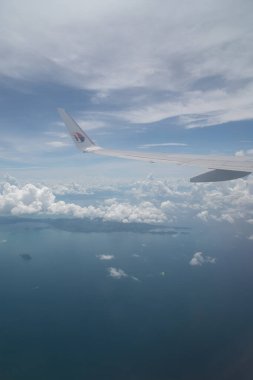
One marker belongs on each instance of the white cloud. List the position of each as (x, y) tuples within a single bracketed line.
[(27, 199), (71, 188), (105, 257), (60, 135), (199, 259), (135, 278), (21, 149), (57, 144), (242, 153), (250, 237), (228, 218), (31, 199), (197, 108), (162, 144), (198, 57), (153, 201), (145, 212), (203, 215), (117, 273), (11, 180)]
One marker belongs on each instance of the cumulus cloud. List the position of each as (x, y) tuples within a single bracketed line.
[(10, 179), (105, 257), (70, 188), (27, 199), (242, 153), (111, 210), (153, 201), (212, 202), (199, 259), (117, 273), (31, 199)]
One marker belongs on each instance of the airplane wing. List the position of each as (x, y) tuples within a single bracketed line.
[(221, 168)]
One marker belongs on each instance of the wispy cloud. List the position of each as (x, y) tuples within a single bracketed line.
[(58, 144), (197, 109), (162, 144), (61, 135), (105, 257)]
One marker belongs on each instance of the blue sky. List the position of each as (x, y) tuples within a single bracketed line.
[(133, 73)]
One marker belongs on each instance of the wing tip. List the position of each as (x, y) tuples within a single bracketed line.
[(219, 175)]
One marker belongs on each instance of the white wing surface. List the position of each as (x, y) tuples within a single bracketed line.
[(221, 168)]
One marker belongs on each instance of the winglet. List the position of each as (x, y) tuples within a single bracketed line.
[(80, 138)]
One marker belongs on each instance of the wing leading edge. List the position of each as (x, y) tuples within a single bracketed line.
[(221, 168)]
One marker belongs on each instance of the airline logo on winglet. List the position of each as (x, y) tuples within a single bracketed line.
[(78, 137)]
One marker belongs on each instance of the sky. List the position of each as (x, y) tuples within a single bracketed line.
[(160, 76), (112, 268), (153, 76)]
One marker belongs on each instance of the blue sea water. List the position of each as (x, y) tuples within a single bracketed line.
[(63, 317)]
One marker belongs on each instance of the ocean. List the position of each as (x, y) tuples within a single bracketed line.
[(93, 300)]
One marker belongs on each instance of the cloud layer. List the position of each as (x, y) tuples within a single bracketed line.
[(30, 199), (152, 201), (192, 60)]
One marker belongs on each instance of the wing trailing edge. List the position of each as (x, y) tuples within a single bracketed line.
[(221, 168)]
